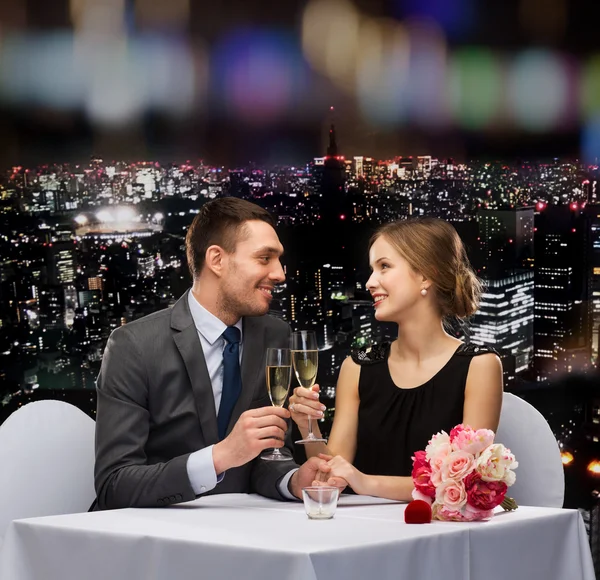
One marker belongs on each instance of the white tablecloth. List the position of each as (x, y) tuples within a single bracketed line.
[(246, 536)]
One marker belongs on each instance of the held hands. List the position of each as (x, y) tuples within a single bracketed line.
[(305, 402), (255, 431), (333, 470), (309, 474)]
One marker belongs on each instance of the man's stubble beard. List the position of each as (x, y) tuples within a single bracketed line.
[(232, 303)]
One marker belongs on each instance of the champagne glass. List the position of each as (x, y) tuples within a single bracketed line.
[(279, 377), (305, 358)]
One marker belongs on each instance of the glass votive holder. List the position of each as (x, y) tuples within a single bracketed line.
[(320, 501)]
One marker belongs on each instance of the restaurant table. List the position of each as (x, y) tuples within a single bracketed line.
[(251, 537)]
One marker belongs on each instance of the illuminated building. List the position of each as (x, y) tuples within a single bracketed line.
[(505, 317), (504, 320), (60, 262), (146, 266), (562, 322), (52, 308), (593, 212), (506, 240), (95, 283)]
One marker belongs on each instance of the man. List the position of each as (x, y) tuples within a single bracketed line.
[(183, 408)]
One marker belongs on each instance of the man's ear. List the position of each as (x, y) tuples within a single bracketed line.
[(214, 259)]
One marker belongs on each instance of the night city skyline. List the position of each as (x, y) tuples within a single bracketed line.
[(484, 201)]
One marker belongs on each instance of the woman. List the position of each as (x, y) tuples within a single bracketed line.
[(392, 398)]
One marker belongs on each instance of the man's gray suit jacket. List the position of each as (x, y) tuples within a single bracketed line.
[(156, 407)]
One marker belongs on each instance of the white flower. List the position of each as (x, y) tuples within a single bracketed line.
[(439, 443), (496, 464)]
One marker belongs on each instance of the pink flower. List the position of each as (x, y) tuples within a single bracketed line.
[(485, 495), (473, 442), (439, 456), (457, 465), (467, 514), (483, 439), (451, 494), (458, 429), (421, 475), (473, 514), (441, 512), (436, 476)]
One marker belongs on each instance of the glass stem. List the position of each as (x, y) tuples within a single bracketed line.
[(310, 431)]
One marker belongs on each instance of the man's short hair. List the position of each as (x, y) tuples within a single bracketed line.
[(220, 222)]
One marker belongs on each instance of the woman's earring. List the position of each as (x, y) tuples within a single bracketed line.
[(424, 292)]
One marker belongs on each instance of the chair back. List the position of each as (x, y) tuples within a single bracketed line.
[(540, 475), (46, 462)]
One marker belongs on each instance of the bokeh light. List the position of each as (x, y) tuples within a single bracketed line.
[(594, 467), (475, 79), (539, 90), (382, 78), (40, 69), (428, 69), (566, 458), (331, 39), (257, 73), (590, 140), (456, 17), (171, 77), (590, 88), (106, 18), (112, 96)]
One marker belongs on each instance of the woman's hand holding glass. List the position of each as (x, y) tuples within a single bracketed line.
[(305, 358), (305, 403)]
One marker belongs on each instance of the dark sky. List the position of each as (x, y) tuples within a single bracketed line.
[(30, 135)]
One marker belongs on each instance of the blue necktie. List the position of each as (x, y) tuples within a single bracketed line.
[(232, 379)]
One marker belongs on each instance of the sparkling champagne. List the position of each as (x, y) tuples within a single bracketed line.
[(278, 383), (306, 363)]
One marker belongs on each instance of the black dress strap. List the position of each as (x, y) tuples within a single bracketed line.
[(370, 355), (475, 350)]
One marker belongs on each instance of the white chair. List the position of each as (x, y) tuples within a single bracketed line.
[(46, 462), (540, 476)]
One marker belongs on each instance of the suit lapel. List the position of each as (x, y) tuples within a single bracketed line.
[(253, 359), (189, 346)]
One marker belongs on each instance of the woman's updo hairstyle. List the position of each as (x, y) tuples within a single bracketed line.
[(434, 249)]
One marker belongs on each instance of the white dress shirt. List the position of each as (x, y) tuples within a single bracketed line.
[(200, 466)]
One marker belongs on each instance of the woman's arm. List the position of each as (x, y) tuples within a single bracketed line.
[(342, 440), (483, 392), (386, 486)]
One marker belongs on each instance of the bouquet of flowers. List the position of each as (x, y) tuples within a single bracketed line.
[(464, 476)]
